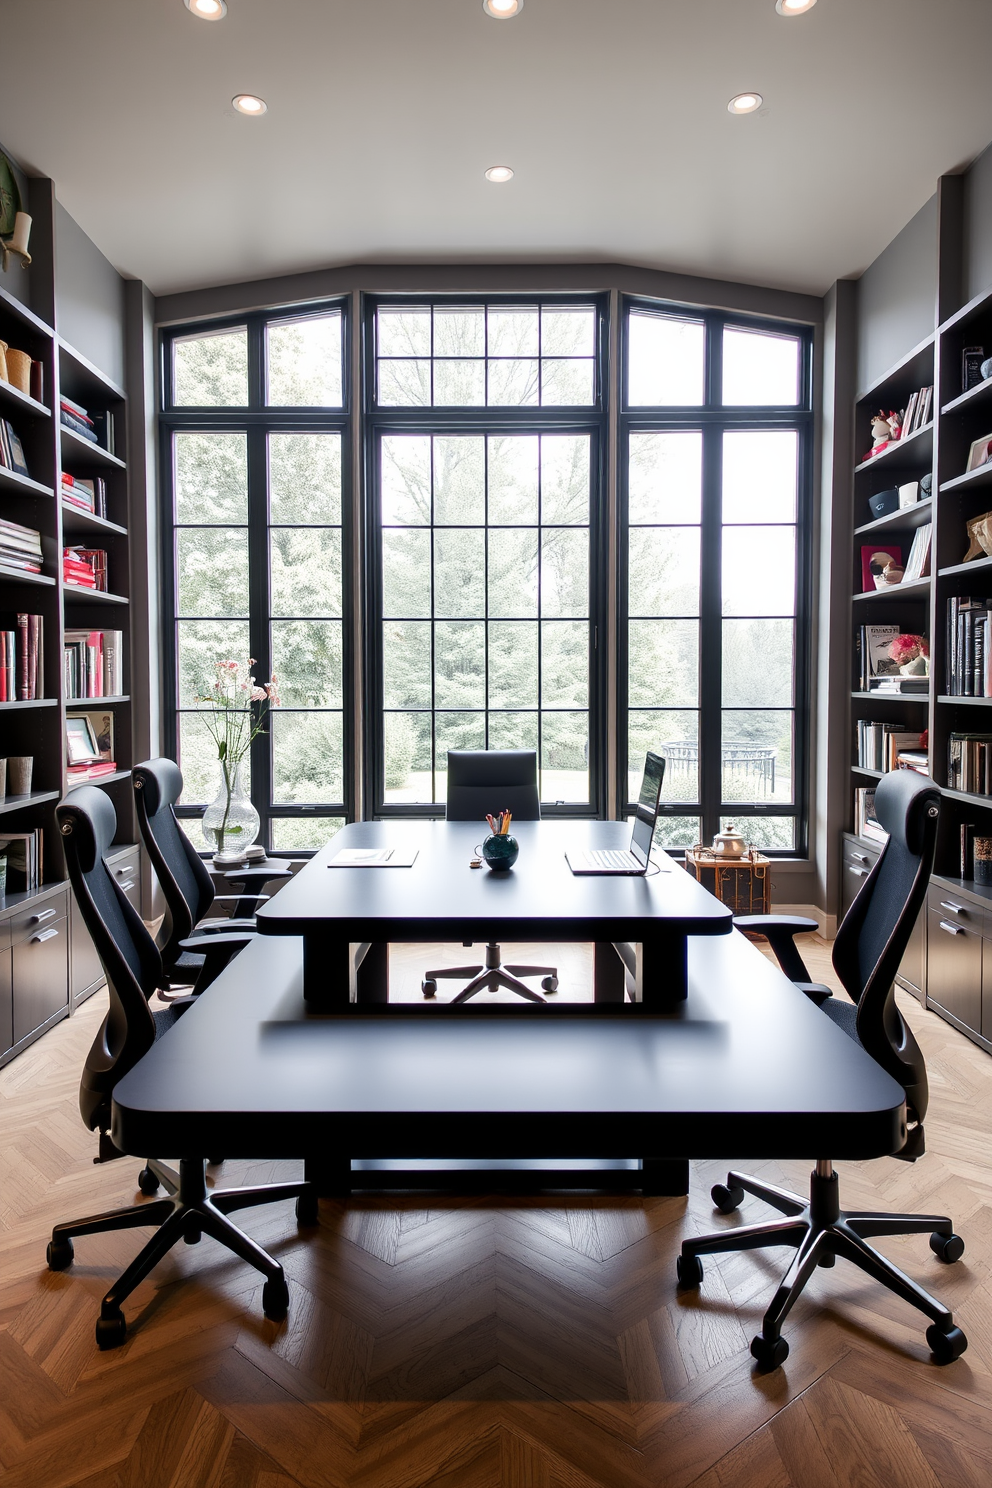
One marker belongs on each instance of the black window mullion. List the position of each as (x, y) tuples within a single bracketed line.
[(258, 611), (710, 633)]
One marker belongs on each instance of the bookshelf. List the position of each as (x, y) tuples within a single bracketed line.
[(37, 995)]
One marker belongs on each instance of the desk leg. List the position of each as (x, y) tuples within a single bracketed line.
[(330, 1176), (665, 1177), (328, 967), (607, 976), (662, 972), (372, 972)]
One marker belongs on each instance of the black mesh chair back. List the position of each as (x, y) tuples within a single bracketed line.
[(129, 956), (875, 933), (186, 884), (482, 781)]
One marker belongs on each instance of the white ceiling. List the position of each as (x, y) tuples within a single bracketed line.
[(383, 115)]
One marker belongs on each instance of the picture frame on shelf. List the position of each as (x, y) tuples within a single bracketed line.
[(101, 722), (978, 454), (878, 560), (81, 746)]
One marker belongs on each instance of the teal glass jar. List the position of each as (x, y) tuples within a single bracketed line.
[(500, 853)]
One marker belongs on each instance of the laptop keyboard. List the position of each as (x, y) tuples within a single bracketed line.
[(608, 857)]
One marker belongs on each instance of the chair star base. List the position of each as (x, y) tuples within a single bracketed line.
[(188, 1212), (820, 1231), (492, 977)]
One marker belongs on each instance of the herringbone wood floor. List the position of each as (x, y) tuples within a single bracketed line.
[(473, 1343)]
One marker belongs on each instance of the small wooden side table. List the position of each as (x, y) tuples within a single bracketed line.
[(744, 884)]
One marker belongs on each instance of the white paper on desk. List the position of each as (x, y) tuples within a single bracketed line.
[(374, 857)]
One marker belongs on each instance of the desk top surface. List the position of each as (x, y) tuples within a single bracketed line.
[(746, 1067), (441, 897)]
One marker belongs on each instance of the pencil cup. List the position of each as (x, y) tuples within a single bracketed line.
[(500, 853), (983, 860), (19, 770)]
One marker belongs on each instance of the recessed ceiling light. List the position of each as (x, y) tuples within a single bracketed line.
[(745, 103), (208, 10), (793, 7), (247, 103), (502, 10), (499, 174)]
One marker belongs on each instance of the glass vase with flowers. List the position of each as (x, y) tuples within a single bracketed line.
[(234, 711)]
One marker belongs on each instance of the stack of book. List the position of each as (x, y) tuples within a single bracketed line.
[(879, 744), (22, 660), (866, 823), (917, 412), (11, 450), (969, 662), (93, 663), (969, 763), (90, 495), (876, 671), (913, 759), (22, 851), (92, 770), (85, 567), (918, 562), (20, 547), (98, 428)]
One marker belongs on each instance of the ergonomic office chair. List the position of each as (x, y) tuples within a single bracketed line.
[(866, 956), (133, 968), (186, 884), (482, 781)]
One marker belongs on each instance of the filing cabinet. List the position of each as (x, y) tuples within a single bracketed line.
[(859, 858), (955, 929), (34, 966), (86, 973)]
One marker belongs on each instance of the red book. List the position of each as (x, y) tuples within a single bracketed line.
[(23, 651)]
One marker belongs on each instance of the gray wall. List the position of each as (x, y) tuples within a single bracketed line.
[(896, 297), (89, 298), (977, 247)]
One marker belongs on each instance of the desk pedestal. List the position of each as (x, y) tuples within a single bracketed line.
[(654, 1177)]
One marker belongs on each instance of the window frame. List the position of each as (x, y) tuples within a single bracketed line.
[(713, 417), (257, 420), (475, 420)]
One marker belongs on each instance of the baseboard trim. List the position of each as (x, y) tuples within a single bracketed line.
[(827, 923)]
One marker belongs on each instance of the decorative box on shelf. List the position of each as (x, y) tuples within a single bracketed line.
[(743, 884)]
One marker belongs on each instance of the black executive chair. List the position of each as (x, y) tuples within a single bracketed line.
[(482, 781), (186, 884), (867, 952), (133, 969)]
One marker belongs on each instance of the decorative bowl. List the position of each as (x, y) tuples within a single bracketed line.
[(500, 853)]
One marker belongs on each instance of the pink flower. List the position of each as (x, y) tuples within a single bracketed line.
[(906, 648)]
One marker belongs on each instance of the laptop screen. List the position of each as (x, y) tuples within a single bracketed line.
[(647, 807)]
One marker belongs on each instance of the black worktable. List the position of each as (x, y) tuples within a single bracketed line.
[(745, 1067), (441, 898)]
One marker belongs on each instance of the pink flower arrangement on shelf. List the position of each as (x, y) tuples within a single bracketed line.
[(911, 653)]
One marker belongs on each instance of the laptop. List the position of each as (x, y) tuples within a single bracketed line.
[(635, 859)]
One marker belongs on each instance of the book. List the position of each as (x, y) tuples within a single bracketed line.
[(77, 426), (14, 450), (969, 763), (908, 415), (866, 823), (972, 358), (76, 773), (918, 562), (873, 642), (92, 662), (23, 853), (37, 383), (76, 409)]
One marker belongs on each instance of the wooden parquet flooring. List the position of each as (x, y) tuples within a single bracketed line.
[(467, 1343)]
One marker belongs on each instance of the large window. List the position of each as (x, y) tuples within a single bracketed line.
[(532, 566), (717, 445), (485, 443), (254, 454)]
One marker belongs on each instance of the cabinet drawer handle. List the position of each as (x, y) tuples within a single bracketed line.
[(42, 916), (951, 929), (128, 885), (952, 908), (45, 935), (121, 871), (859, 857), (858, 872)]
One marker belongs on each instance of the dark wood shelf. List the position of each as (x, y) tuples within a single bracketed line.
[(23, 485), (916, 587), (977, 394), (92, 596), (968, 797), (75, 449), (21, 312), (33, 798), (100, 779), (74, 516), (913, 450), (863, 770), (24, 576), (973, 565), (896, 697), (967, 702), (916, 366), (77, 369), (980, 477), (100, 702), (906, 516), (30, 703), (21, 401)]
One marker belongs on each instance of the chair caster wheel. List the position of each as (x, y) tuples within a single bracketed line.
[(827, 1259), (769, 1352), (946, 1347), (111, 1330), (306, 1209), (550, 984), (429, 987), (214, 1162), (727, 1200), (689, 1269), (192, 1234), (147, 1182), (947, 1248), (275, 1299), (59, 1255)]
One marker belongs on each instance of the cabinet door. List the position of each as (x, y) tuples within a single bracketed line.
[(857, 866), (912, 967), (126, 869), (6, 1003), (954, 969), (86, 972), (40, 977)]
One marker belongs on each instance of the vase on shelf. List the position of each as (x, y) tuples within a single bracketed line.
[(230, 823)]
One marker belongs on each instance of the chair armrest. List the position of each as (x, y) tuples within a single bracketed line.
[(222, 925), (256, 876), (779, 930), (815, 991), (202, 944), (236, 898)]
